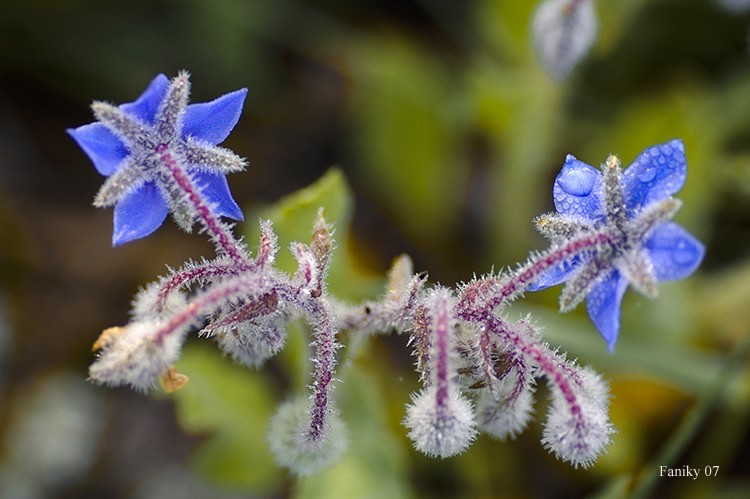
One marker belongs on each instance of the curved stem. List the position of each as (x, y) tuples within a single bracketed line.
[(246, 286), (511, 288), (542, 358), (189, 276)]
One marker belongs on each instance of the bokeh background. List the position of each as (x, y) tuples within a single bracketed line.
[(447, 136)]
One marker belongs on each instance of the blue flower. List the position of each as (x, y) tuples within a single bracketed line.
[(634, 206), (139, 145)]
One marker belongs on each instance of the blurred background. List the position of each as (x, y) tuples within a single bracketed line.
[(449, 136)]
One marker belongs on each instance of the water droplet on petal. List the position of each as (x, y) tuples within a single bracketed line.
[(683, 253), (647, 175), (577, 181)]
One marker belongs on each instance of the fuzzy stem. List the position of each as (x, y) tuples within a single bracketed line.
[(543, 359), (190, 276), (535, 267), (441, 328), (325, 361), (221, 236), (206, 302), (264, 305)]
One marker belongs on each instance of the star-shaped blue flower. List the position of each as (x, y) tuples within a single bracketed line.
[(131, 143), (634, 206)]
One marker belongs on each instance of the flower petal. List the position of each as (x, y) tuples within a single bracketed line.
[(656, 173), (139, 214), (212, 121), (674, 252), (603, 306), (104, 149), (555, 275), (576, 190), (214, 186), (145, 106)]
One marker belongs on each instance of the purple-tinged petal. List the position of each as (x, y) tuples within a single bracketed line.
[(658, 172), (102, 147), (145, 106), (674, 252), (214, 186), (576, 190), (555, 275), (139, 214), (212, 121), (603, 305)]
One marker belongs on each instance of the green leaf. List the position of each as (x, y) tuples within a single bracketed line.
[(231, 405), (293, 218), (407, 115)]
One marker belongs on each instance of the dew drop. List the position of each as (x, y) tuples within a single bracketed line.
[(648, 174), (683, 253), (577, 181)]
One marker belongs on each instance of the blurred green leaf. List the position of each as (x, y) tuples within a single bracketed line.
[(505, 27), (230, 405), (646, 351), (518, 110), (411, 149), (293, 219)]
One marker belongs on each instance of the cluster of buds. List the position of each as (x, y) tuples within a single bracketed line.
[(478, 367)]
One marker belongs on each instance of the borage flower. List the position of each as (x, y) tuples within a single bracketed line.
[(148, 146), (634, 206)]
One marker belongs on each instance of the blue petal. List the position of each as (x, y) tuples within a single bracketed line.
[(576, 190), (104, 149), (555, 275), (603, 305), (674, 252), (145, 106), (214, 186), (212, 121), (658, 172), (139, 214)]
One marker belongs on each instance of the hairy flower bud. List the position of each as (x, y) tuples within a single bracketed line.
[(579, 430), (563, 32), (505, 413), (440, 430), (136, 356), (148, 304), (291, 445), (252, 342)]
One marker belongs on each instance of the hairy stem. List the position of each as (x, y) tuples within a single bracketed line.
[(511, 288), (441, 329), (190, 276), (325, 361), (210, 300), (220, 234)]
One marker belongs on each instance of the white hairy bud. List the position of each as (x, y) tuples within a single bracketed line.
[(440, 430), (135, 355), (563, 32), (505, 413), (291, 445), (579, 433)]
